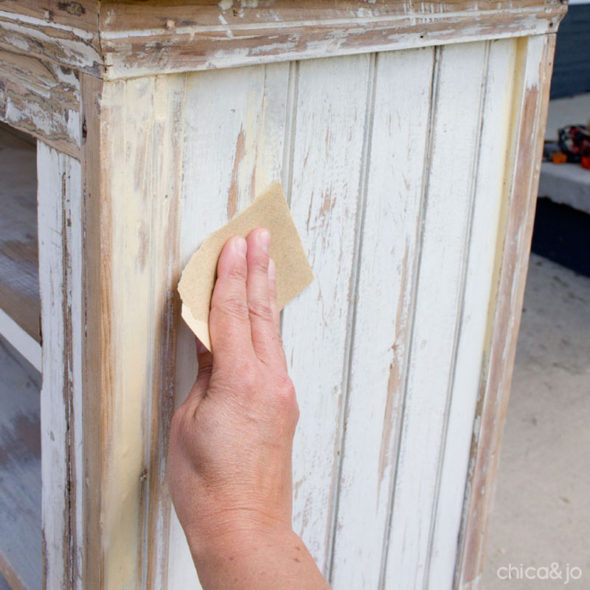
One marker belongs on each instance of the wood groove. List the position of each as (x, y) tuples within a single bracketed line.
[(460, 307), (434, 88), (351, 313)]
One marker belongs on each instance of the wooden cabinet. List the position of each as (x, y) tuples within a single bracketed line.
[(407, 137)]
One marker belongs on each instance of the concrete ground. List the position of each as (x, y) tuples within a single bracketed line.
[(542, 509)]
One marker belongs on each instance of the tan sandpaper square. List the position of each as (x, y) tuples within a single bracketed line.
[(269, 210)]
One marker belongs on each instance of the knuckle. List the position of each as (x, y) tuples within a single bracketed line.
[(285, 396), (260, 310), (260, 264), (238, 273), (232, 307)]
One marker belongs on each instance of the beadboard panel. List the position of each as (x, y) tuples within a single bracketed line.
[(398, 203), (477, 301), (235, 130), (390, 228), (436, 312)]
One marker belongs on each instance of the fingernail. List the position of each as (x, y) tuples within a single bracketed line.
[(272, 270), (264, 239), (240, 246)]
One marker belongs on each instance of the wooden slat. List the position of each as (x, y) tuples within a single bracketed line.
[(121, 39), (149, 37), (64, 32), (19, 269), (21, 561), (534, 62), (243, 113), (42, 98), (60, 247), (383, 300), (329, 147), (479, 273), (132, 181), (436, 310)]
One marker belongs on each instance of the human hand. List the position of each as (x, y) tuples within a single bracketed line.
[(230, 441)]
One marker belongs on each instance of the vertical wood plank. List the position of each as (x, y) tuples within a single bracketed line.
[(436, 309), (388, 250), (489, 194), (533, 67), (326, 194), (132, 189), (60, 249), (236, 124)]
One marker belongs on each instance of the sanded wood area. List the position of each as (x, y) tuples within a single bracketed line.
[(20, 471), (19, 273), (122, 39), (140, 38), (40, 97)]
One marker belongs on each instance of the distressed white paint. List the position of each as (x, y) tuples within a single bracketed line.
[(383, 301), (436, 310), (60, 252), (397, 201), (481, 251), (329, 150), (26, 345), (234, 137)]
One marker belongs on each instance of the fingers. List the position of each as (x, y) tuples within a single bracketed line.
[(276, 313), (229, 323), (262, 320), (274, 306)]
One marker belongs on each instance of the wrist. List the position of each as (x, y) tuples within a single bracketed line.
[(225, 535)]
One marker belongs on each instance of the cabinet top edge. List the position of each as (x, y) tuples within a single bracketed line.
[(115, 39)]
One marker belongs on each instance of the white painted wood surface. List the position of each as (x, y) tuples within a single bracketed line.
[(489, 197), (397, 200), (21, 560), (384, 297), (244, 114), (60, 255)]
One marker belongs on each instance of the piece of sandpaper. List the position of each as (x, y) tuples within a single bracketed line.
[(293, 273)]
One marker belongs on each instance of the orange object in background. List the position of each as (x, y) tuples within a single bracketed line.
[(586, 162), (559, 158)]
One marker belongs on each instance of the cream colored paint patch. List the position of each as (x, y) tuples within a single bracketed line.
[(293, 271)]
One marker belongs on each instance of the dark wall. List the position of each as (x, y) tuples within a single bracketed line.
[(571, 73)]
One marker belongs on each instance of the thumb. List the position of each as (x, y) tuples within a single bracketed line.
[(205, 362)]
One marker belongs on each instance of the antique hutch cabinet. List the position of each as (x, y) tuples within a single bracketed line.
[(407, 137)]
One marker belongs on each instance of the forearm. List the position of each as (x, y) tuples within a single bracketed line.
[(257, 561)]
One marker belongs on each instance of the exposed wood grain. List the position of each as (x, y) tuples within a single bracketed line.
[(530, 100), (140, 39), (42, 98), (439, 291), (60, 247), (65, 32), (21, 560), (244, 113), (121, 39), (488, 178), (384, 294), (131, 215), (19, 268)]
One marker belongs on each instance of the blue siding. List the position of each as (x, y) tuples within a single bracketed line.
[(571, 73)]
